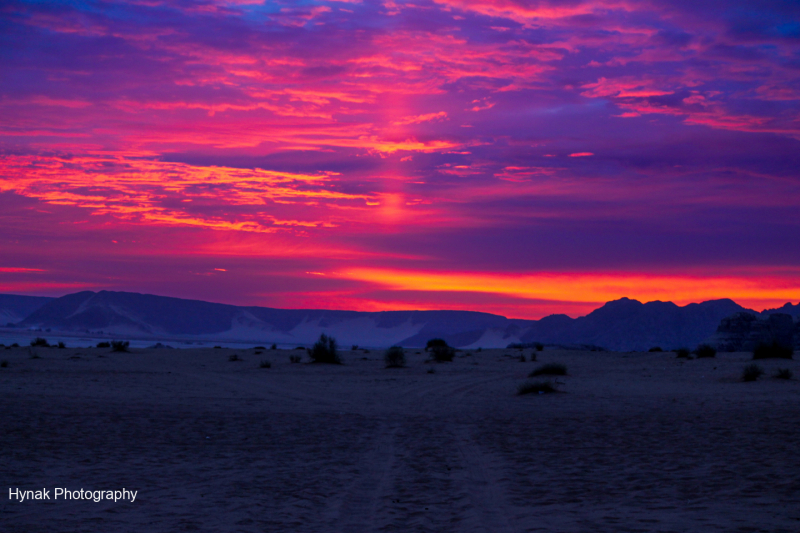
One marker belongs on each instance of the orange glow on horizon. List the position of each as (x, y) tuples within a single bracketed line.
[(591, 287)]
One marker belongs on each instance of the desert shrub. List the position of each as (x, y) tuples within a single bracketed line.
[(295, 358), (538, 346), (395, 357), (120, 346), (259, 348), (265, 364), (522, 358), (217, 347), (433, 343), (104, 344), (682, 353), (752, 372), (783, 373), (531, 387), (61, 345), (39, 341), (15, 345), (655, 349), (3, 364), (772, 351), (234, 358), (705, 351), (550, 369), (273, 347), (354, 347), (443, 354), (479, 349), (325, 351), (299, 348), (431, 370)]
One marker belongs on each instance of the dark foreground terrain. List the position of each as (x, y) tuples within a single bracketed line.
[(633, 442)]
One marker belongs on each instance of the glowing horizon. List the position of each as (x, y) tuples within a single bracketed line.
[(521, 158)]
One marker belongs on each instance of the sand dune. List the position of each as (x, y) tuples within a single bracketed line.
[(634, 442)]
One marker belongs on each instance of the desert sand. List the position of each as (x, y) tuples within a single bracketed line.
[(632, 442)]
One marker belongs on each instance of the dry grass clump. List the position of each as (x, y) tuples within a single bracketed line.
[(294, 359), (265, 364), (104, 344), (325, 350), (705, 351), (783, 373), (550, 369), (535, 387), (775, 350), (120, 346), (234, 358), (442, 354), (395, 357), (3, 364), (683, 353), (656, 349), (752, 372), (39, 341)]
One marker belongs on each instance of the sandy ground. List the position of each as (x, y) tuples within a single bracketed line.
[(633, 442)]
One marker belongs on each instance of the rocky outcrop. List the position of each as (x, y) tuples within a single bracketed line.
[(741, 332)]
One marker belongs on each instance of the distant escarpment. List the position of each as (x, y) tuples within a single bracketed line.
[(743, 331), (621, 325)]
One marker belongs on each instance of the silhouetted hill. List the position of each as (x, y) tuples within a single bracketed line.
[(627, 324), (14, 307), (787, 309), (623, 324)]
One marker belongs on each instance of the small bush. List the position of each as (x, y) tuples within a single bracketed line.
[(325, 351), (354, 347), (531, 387), (436, 343), (265, 364), (104, 344), (752, 372), (550, 369), (522, 358), (395, 357), (3, 364), (120, 346), (443, 354), (479, 349), (655, 349), (773, 351), (538, 346), (295, 359), (259, 348), (783, 373), (217, 347), (705, 351), (273, 347), (61, 345), (682, 353), (431, 370), (15, 345), (234, 358), (39, 341)]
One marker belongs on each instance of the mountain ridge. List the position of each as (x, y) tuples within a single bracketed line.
[(624, 324)]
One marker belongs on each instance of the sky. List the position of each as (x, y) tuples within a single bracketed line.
[(518, 158)]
